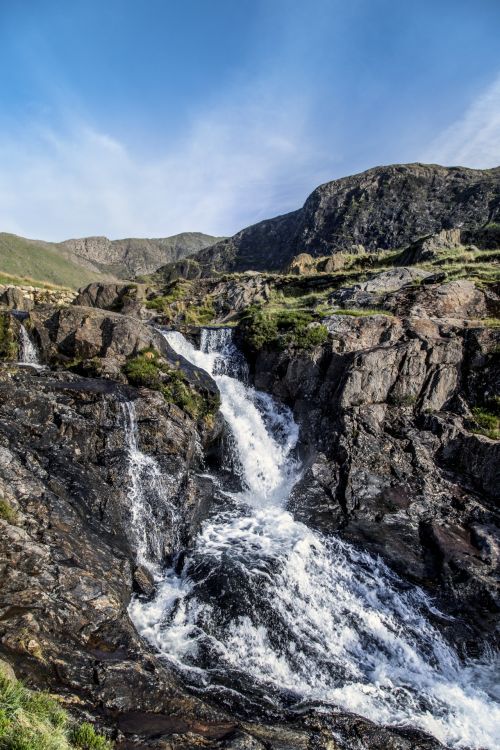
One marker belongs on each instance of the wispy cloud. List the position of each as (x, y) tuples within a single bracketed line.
[(474, 140), (236, 164)]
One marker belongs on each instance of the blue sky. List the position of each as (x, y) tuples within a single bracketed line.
[(151, 117)]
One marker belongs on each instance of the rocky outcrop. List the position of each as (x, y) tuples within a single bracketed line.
[(431, 247), (382, 208), (127, 299), (409, 292), (393, 461), (25, 298)]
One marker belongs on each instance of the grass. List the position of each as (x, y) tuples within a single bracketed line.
[(174, 305), (7, 513), (10, 280), (9, 344), (491, 322), (149, 370), (271, 326), (43, 261), (361, 312), (487, 419), (31, 720)]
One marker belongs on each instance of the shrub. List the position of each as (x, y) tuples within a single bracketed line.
[(85, 737), (144, 369)]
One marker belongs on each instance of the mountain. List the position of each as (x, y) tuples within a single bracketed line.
[(384, 207), (132, 256), (76, 262)]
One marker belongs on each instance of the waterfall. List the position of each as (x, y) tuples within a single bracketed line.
[(152, 514), (28, 354), (266, 603)]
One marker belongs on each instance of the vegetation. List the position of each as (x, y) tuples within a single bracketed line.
[(267, 325), (7, 513), (46, 262), (175, 305), (31, 720), (491, 322), (9, 345), (148, 369), (361, 312), (487, 419), (144, 369)]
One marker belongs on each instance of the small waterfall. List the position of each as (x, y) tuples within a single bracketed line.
[(28, 354), (266, 603), (152, 513)]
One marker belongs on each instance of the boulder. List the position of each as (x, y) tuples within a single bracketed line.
[(429, 248)]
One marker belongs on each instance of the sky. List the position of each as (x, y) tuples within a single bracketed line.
[(146, 118)]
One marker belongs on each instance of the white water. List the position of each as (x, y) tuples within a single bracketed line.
[(264, 599), (151, 512), (28, 354)]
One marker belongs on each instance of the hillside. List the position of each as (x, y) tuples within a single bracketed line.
[(132, 256), (42, 262), (77, 262), (382, 208)]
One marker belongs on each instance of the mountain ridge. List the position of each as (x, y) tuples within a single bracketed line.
[(385, 207), (76, 262)]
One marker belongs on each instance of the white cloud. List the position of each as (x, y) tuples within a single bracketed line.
[(236, 164), (474, 140)]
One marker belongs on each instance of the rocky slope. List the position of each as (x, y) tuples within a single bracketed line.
[(130, 257), (382, 208)]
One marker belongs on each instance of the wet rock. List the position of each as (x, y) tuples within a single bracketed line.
[(143, 581)]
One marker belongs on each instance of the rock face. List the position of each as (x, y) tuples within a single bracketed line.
[(385, 207), (130, 257), (384, 410)]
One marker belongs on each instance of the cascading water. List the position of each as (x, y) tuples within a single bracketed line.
[(150, 508), (265, 604), (28, 354)]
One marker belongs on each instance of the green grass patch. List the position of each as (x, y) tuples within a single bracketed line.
[(491, 322), (7, 513), (487, 419), (149, 370), (31, 720), (361, 312), (269, 326), (45, 262), (9, 344)]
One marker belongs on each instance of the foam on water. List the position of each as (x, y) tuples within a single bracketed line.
[(264, 596), (28, 354), (149, 497)]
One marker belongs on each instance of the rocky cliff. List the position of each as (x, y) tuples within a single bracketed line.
[(385, 207)]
